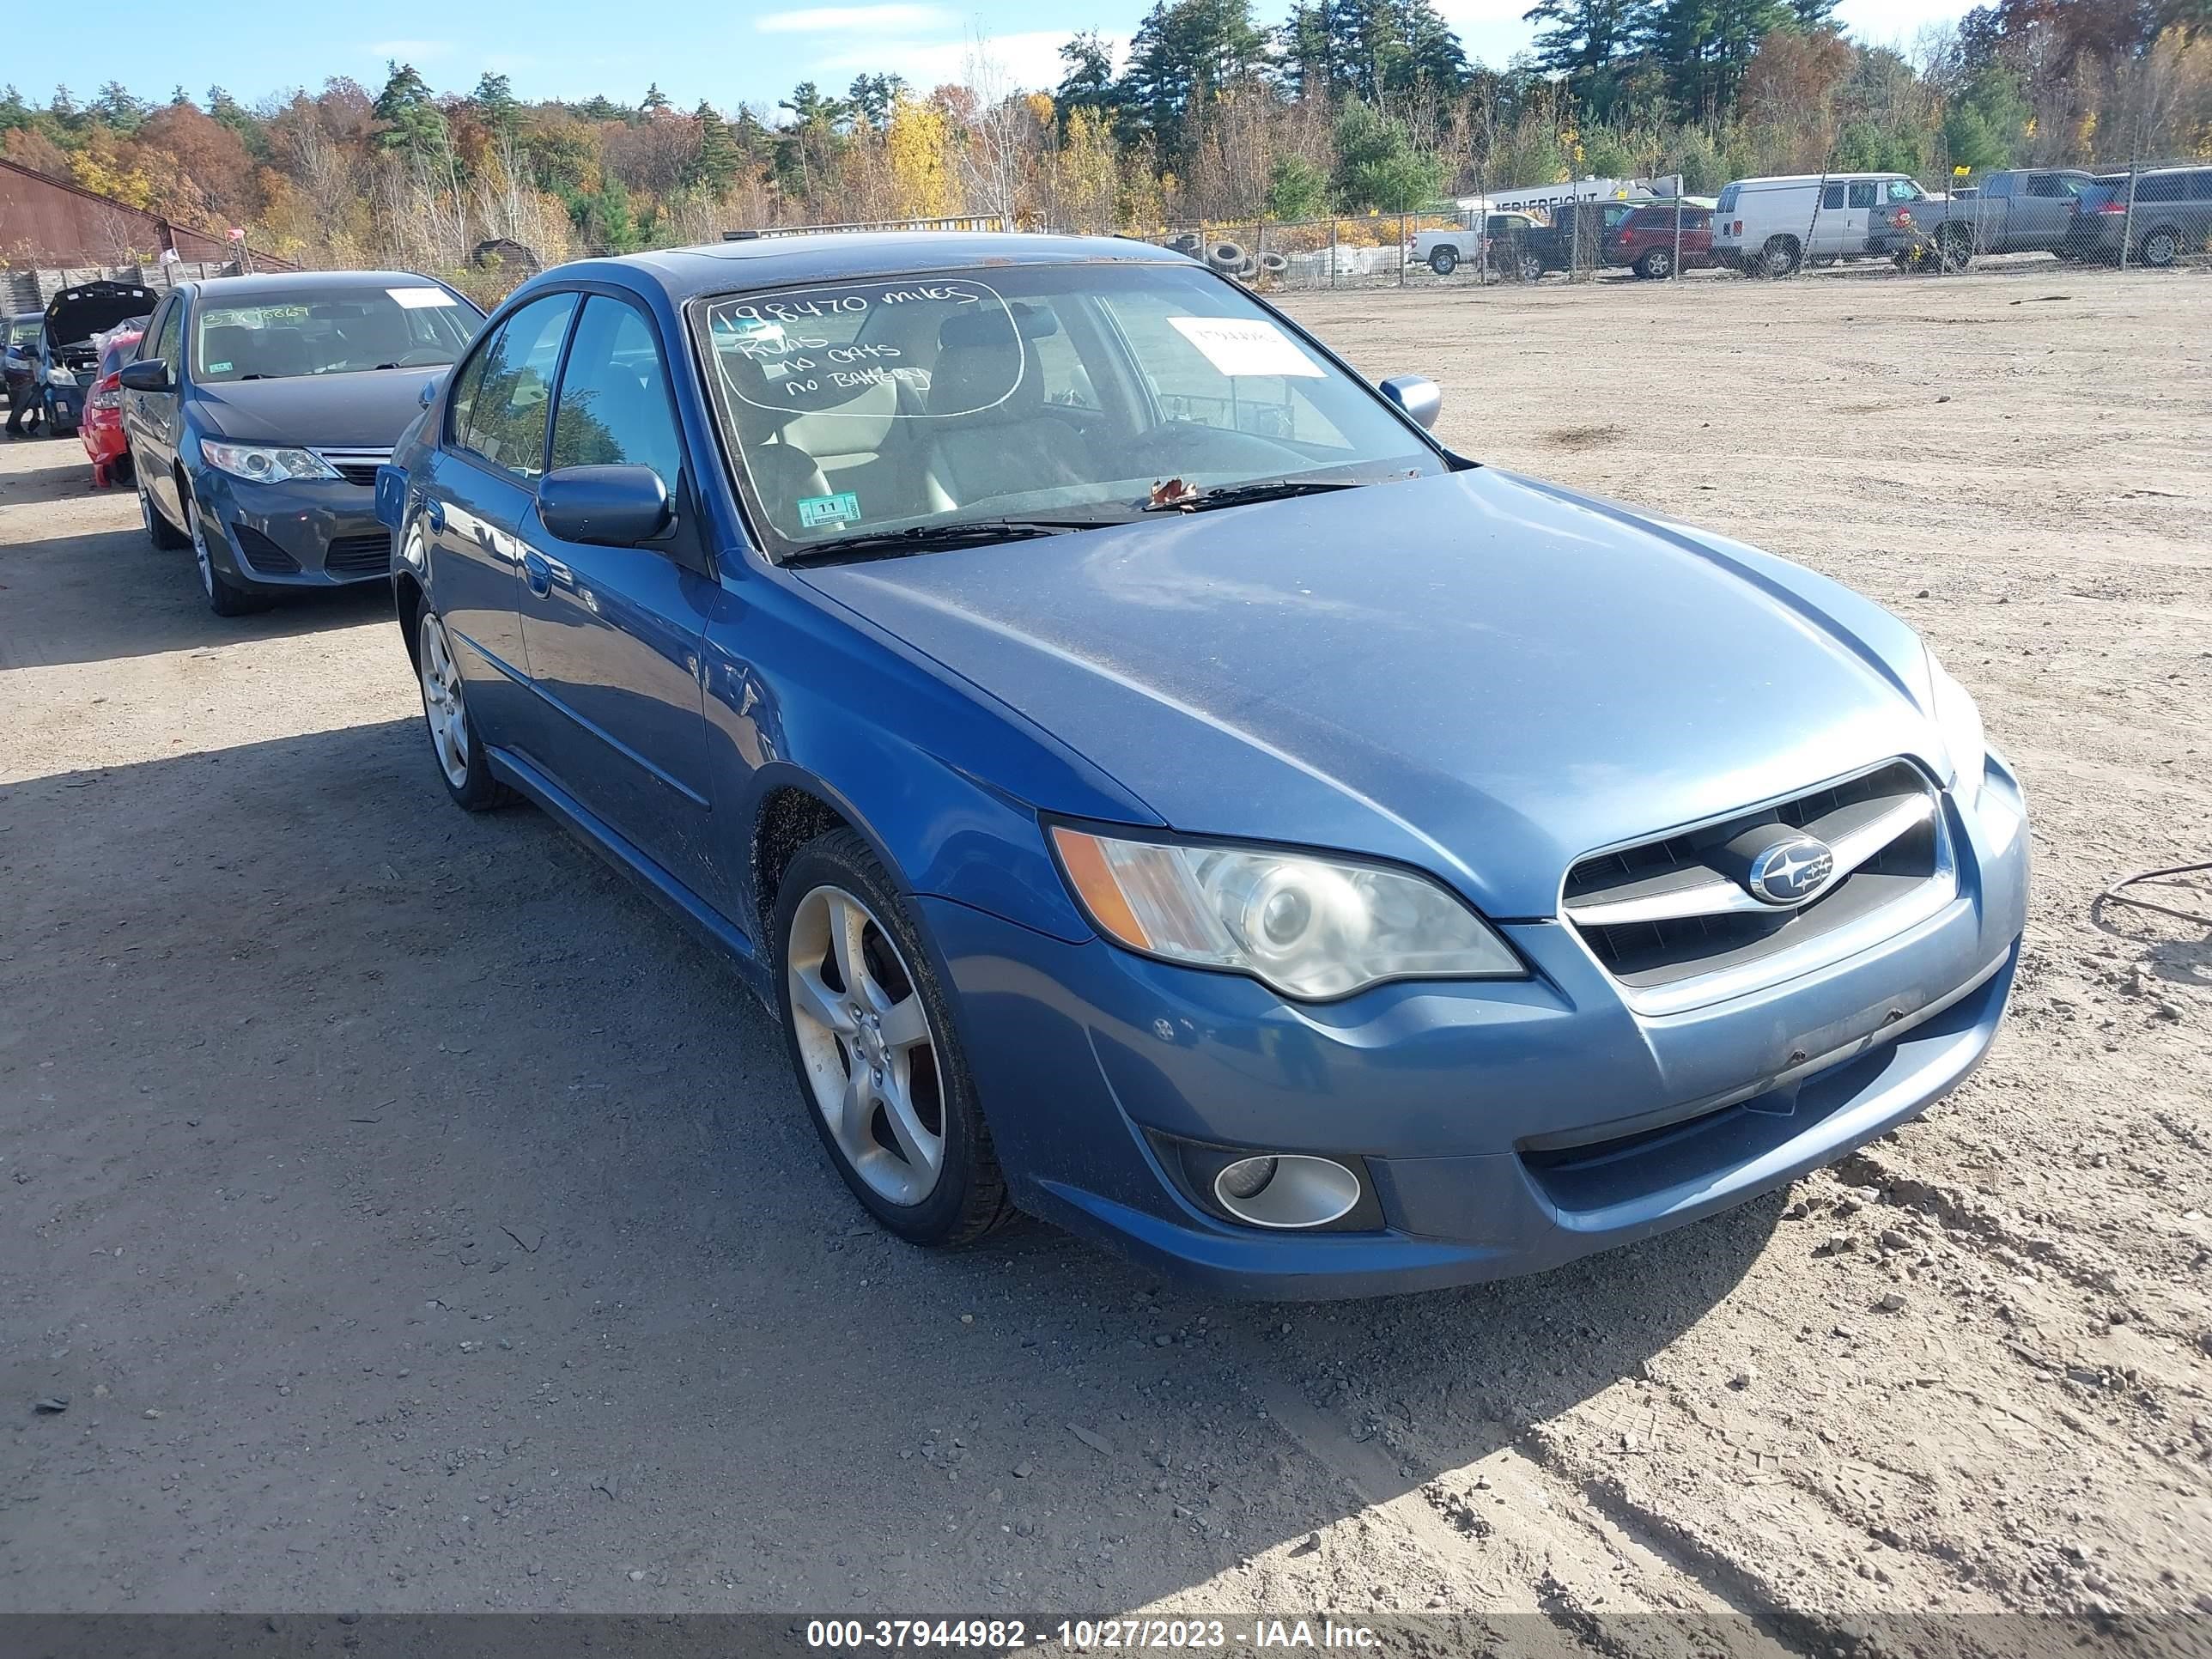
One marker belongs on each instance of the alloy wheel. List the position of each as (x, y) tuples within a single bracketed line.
[(870, 1062), (200, 554), (442, 704), (2159, 247)]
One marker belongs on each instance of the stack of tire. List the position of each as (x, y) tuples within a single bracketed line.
[(1229, 260)]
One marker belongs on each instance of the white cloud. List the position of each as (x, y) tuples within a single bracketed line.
[(1026, 62), (843, 20)]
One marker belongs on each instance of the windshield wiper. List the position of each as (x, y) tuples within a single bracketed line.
[(931, 538), (1259, 489)]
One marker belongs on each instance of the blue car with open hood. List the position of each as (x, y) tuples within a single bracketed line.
[(1159, 787)]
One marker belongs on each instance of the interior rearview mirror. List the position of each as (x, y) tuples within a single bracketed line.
[(151, 375), (604, 505), (1417, 395)]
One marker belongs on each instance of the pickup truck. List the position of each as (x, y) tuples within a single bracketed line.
[(2021, 210), (1445, 250)]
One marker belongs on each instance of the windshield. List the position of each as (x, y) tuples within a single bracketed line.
[(24, 330), (1072, 393), (280, 335)]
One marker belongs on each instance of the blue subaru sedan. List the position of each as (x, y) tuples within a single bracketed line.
[(1159, 788)]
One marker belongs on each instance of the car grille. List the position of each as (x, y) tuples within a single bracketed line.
[(357, 466), (263, 554), (1669, 911), (359, 555)]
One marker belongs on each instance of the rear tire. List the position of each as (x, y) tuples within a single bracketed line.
[(1655, 266), (888, 1087), (2159, 247), (1444, 260), (1781, 257)]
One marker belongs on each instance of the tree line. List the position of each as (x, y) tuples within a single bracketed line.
[(1343, 107)]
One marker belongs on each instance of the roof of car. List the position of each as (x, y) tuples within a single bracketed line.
[(773, 261), (288, 283)]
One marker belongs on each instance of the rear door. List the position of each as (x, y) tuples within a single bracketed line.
[(613, 633), (478, 498)]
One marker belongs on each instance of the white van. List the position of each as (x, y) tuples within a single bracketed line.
[(1771, 226)]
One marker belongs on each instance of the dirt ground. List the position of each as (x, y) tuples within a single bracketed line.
[(459, 1243)]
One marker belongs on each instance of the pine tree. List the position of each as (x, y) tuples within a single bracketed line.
[(496, 104), (717, 164), (408, 117), (656, 101)]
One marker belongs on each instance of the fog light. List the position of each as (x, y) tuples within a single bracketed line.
[(1245, 1178), (1290, 1190)]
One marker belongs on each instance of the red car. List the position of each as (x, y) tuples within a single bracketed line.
[(1645, 240), (101, 429)]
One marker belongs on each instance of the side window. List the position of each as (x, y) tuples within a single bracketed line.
[(149, 343), (466, 380), (2167, 189), (508, 413), (614, 408), (1902, 190), (1832, 198), (168, 346), (1862, 193), (2200, 187)]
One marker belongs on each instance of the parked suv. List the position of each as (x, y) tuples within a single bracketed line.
[(2172, 216), (1646, 240)]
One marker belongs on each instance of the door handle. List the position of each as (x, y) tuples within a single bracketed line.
[(537, 573), (434, 511)]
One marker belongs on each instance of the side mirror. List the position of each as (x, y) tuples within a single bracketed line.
[(1417, 395), (603, 506), (424, 397), (151, 375)]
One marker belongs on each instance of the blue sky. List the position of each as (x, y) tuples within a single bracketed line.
[(693, 48)]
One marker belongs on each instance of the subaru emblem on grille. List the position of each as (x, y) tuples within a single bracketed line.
[(1791, 871)]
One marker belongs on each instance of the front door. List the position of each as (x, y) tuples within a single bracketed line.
[(477, 493), (613, 634), (150, 418)]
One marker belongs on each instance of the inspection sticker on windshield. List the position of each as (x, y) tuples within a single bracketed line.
[(816, 510), (419, 299), (1246, 346)]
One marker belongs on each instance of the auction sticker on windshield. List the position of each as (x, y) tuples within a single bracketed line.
[(1240, 346), (419, 299)]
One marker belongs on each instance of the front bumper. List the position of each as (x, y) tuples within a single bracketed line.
[(1504, 1127), (312, 533)]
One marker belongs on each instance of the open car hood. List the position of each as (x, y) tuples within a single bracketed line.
[(76, 314)]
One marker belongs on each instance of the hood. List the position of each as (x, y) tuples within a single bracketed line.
[(366, 411), (1475, 673), (76, 314)]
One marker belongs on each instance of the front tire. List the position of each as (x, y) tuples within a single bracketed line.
[(453, 741), (878, 1057), (224, 596), (165, 536)]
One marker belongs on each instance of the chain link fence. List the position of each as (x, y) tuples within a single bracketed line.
[(2151, 213)]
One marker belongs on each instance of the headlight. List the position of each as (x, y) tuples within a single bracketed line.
[(265, 463), (1307, 926), (1960, 724), (60, 374)]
